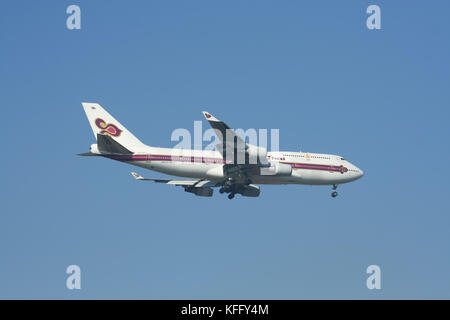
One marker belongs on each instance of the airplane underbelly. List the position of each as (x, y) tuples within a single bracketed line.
[(180, 169), (316, 177), (199, 170)]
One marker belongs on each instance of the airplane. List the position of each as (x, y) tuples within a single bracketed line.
[(233, 169)]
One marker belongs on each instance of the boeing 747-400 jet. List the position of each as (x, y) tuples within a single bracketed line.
[(236, 167)]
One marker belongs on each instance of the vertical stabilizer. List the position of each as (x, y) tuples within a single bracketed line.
[(102, 123)]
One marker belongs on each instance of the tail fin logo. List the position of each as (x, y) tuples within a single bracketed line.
[(108, 128)]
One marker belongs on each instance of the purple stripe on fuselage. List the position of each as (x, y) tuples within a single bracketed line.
[(149, 157), (317, 167)]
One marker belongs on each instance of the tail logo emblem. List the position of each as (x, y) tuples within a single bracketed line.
[(107, 128)]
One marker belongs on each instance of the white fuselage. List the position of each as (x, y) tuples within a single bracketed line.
[(307, 168)]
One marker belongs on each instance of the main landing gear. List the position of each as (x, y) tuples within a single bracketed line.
[(334, 193), (229, 188), (223, 190), (232, 188)]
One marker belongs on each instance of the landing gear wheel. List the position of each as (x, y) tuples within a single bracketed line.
[(231, 196), (221, 190), (334, 194)]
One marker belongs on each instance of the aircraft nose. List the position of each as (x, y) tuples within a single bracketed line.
[(361, 173), (357, 172)]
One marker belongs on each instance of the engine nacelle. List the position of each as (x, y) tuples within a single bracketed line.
[(277, 169), (257, 155), (251, 191), (201, 191)]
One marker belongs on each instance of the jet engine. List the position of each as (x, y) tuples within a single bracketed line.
[(277, 169), (257, 155), (250, 191), (200, 191)]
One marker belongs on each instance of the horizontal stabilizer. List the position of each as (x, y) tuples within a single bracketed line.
[(106, 144), (88, 154)]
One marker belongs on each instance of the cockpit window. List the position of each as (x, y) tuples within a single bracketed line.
[(342, 159)]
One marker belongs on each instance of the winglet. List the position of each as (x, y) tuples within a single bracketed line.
[(210, 117), (136, 176)]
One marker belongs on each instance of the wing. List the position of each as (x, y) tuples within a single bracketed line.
[(225, 134), (233, 148), (199, 183), (202, 188)]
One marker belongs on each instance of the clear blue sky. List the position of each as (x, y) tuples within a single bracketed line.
[(310, 68)]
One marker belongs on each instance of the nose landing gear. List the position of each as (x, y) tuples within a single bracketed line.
[(334, 194)]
